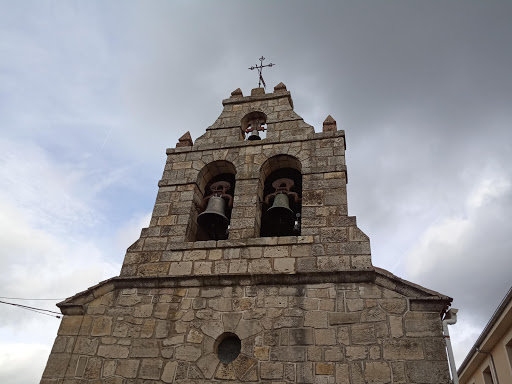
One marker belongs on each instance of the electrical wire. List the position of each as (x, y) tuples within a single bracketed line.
[(20, 298), (37, 310)]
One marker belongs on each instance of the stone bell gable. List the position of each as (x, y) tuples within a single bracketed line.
[(252, 271)]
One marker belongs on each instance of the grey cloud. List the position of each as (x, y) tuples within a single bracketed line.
[(423, 90)]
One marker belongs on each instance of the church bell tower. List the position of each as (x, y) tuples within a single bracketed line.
[(252, 271)]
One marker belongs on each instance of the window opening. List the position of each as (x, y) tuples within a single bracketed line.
[(488, 376), (229, 347), (509, 352)]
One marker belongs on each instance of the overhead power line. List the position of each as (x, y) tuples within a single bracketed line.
[(33, 309), (22, 298)]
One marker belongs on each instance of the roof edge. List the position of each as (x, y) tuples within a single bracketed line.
[(74, 305), (487, 329)]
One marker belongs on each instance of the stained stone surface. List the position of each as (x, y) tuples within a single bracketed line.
[(306, 309)]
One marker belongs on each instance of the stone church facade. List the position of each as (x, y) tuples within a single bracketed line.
[(256, 302)]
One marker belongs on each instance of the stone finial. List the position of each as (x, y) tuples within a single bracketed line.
[(237, 93), (185, 140), (257, 91), (280, 88), (329, 125)]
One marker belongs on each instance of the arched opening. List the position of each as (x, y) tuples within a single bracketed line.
[(254, 126), (214, 200), (281, 179)]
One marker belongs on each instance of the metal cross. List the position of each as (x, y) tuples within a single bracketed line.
[(260, 69)]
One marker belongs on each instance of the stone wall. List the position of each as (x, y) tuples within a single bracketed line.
[(345, 333), (306, 309)]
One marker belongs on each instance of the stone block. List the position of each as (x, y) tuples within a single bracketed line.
[(305, 264), (242, 365), (342, 374), (238, 266), (143, 310), (208, 365), (213, 328), (276, 302), (289, 372), (324, 368), (334, 354), (187, 353), (428, 372), (304, 373), (80, 366), (56, 365), (113, 351), (248, 328), (211, 292), (356, 352), (398, 370), (325, 336), (259, 266), (377, 373), (288, 354), (261, 353), (86, 346), (342, 335), (203, 268), (301, 336), (93, 368), (276, 251), (150, 369), (145, 348), (181, 268), (396, 326), (338, 318), (284, 265), (153, 269), (194, 336), (403, 349), (271, 370), (435, 349), (301, 250), (169, 371), (354, 305), (315, 319), (194, 255), (373, 315), (334, 235), (70, 325), (127, 368), (362, 334), (102, 326), (423, 324), (395, 306), (221, 304), (333, 263), (155, 244)]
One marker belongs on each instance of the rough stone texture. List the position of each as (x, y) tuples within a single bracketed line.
[(307, 309)]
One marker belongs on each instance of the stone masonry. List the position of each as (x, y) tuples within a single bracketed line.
[(307, 309)]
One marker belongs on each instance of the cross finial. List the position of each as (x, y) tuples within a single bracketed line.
[(260, 69)]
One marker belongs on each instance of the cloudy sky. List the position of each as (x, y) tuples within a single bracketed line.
[(93, 92)]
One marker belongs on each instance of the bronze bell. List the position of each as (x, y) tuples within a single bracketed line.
[(255, 135), (280, 218), (213, 219)]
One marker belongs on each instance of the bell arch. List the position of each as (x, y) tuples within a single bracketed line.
[(213, 198), (254, 125), (281, 196)]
